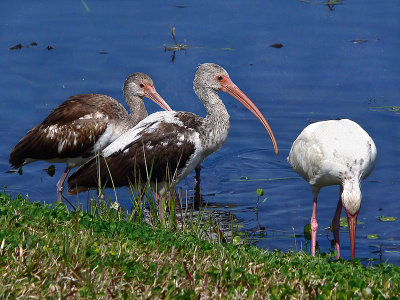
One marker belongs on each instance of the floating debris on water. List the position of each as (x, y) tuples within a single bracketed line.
[(32, 44), (386, 108), (16, 47), (276, 45), (359, 41)]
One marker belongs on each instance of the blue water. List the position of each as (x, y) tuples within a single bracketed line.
[(339, 63)]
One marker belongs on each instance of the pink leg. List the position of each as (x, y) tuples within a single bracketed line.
[(60, 184), (336, 224), (314, 227)]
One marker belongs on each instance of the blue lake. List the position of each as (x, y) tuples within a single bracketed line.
[(337, 61)]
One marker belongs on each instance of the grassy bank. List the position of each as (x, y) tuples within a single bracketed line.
[(50, 252)]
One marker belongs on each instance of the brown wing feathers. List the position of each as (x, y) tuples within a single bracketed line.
[(153, 154), (70, 130)]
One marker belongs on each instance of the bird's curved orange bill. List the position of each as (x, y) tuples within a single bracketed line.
[(352, 221), (229, 87), (151, 93)]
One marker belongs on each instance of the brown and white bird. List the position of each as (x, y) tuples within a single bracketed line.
[(334, 152), (83, 125), (168, 142)]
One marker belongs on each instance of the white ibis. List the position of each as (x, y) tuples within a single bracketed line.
[(84, 125), (334, 152), (168, 142)]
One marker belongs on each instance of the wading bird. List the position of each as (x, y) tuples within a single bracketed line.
[(168, 142), (83, 125), (334, 152)]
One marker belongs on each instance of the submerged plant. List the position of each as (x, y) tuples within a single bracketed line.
[(176, 46), (260, 193)]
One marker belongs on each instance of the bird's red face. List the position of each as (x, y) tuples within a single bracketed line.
[(229, 87), (151, 93)]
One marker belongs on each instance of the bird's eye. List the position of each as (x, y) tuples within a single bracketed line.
[(219, 78), (141, 85)]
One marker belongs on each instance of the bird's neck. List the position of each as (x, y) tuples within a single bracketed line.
[(136, 107), (351, 196), (217, 119)]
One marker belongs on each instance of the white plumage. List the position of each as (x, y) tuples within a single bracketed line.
[(335, 152)]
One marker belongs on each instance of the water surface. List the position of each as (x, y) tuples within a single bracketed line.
[(339, 63)]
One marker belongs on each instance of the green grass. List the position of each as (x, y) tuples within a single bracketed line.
[(49, 252)]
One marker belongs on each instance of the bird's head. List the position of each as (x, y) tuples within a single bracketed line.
[(351, 196), (213, 78), (141, 85)]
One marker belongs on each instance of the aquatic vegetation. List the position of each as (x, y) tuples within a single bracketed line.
[(85, 5), (50, 170), (395, 109), (175, 47), (372, 236), (387, 219), (307, 232)]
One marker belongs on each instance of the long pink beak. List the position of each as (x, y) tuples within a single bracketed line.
[(151, 93), (229, 87), (352, 221)]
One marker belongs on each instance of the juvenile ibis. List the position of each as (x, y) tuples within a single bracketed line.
[(84, 125), (334, 152), (168, 142)]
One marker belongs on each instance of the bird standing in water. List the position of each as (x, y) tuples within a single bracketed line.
[(83, 125), (334, 152), (169, 142)]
